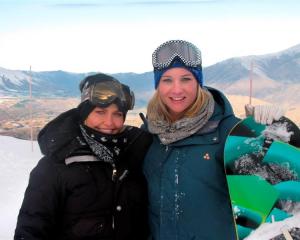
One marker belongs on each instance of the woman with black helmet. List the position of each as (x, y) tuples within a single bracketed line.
[(188, 195), (89, 184)]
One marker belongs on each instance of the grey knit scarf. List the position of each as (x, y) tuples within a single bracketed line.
[(185, 127)]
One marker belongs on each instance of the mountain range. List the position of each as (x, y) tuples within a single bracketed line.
[(275, 78)]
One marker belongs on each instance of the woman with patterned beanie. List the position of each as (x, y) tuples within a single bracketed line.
[(188, 194)]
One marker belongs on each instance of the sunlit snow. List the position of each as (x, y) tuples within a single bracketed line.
[(17, 158)]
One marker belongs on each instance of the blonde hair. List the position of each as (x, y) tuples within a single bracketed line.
[(156, 109)]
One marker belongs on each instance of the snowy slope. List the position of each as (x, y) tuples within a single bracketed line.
[(16, 161)]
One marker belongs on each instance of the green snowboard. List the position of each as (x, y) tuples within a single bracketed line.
[(262, 164)]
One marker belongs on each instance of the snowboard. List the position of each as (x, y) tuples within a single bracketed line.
[(262, 166)]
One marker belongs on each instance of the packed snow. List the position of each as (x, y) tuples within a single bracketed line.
[(17, 158), (269, 231), (278, 132)]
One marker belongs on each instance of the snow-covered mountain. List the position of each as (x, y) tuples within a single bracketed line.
[(53, 83), (65, 84), (280, 66), (276, 78), (16, 161)]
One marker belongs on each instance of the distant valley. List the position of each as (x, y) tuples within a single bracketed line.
[(21, 117), (15, 113)]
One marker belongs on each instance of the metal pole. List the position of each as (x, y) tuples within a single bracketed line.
[(30, 109), (250, 80)]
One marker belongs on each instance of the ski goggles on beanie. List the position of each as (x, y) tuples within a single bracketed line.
[(102, 90), (196, 71), (187, 52)]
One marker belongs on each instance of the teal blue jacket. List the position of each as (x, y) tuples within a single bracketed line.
[(188, 193)]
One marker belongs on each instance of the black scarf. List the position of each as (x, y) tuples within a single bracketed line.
[(107, 148)]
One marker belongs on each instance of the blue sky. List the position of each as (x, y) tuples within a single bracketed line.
[(120, 36)]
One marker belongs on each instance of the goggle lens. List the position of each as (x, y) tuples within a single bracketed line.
[(104, 93), (188, 53)]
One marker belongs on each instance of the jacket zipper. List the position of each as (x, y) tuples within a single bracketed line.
[(117, 182)]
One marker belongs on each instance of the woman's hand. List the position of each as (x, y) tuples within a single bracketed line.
[(264, 114)]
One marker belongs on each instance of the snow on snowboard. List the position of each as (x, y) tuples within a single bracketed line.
[(262, 164)]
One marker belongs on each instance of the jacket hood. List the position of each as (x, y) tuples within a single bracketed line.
[(59, 136), (223, 107)]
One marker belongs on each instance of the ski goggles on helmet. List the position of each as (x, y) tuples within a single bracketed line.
[(187, 52), (104, 93)]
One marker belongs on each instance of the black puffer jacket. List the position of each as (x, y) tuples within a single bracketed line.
[(79, 200)]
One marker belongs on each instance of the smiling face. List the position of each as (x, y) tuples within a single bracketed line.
[(178, 90), (109, 120)]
